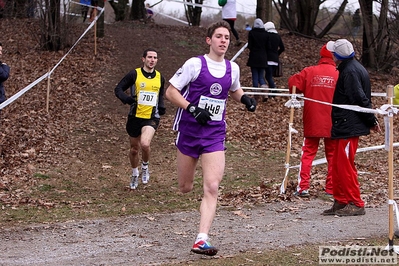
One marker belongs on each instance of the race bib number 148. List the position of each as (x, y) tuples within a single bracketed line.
[(214, 106)]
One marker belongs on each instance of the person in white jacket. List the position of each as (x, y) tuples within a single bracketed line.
[(229, 14)]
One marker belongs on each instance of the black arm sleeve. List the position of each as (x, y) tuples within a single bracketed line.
[(161, 101), (126, 82)]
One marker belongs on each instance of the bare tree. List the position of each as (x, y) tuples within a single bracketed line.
[(120, 9), (379, 47), (50, 37), (56, 24), (264, 10), (380, 27), (300, 17)]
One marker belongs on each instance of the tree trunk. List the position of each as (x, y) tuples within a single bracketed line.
[(137, 11), (264, 10), (300, 17), (51, 38), (383, 38), (307, 13), (334, 20), (366, 7), (119, 9)]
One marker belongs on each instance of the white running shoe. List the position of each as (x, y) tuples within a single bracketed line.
[(145, 175), (135, 182)]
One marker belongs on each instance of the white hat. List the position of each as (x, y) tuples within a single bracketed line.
[(341, 48), (269, 27)]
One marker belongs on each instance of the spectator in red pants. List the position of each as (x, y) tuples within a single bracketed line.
[(316, 82), (353, 88)]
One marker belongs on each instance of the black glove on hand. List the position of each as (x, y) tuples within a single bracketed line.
[(161, 110), (249, 102), (201, 115), (129, 100)]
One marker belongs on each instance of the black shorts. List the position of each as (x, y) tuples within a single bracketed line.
[(134, 125)]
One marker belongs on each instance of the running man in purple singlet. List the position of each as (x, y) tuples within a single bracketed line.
[(200, 89)]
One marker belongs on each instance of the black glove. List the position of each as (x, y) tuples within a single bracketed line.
[(129, 100), (161, 110), (249, 102), (201, 115)]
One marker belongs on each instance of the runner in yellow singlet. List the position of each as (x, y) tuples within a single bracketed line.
[(146, 100)]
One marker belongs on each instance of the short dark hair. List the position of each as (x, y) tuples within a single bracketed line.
[(148, 50), (220, 24), (1, 44)]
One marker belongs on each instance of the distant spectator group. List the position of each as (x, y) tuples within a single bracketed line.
[(265, 46)]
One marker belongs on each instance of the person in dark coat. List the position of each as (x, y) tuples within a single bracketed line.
[(4, 74), (257, 60), (276, 47), (353, 88), (356, 22)]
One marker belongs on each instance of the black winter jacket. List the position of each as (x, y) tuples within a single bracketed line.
[(4, 73), (353, 88), (275, 47), (257, 45)]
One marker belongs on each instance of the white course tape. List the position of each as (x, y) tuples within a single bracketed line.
[(282, 189), (372, 148), (293, 103), (292, 130), (239, 52), (266, 89), (81, 36), (265, 93), (21, 92), (348, 107), (396, 210), (207, 6), (27, 88), (287, 165), (375, 94)]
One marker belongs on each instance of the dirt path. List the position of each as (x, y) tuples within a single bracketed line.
[(158, 239)]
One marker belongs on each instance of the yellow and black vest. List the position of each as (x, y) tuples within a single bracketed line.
[(147, 93)]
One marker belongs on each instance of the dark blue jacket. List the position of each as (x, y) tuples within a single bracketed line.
[(4, 73), (353, 88)]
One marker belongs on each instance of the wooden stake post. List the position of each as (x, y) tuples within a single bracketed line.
[(48, 91), (288, 154), (390, 167), (95, 31)]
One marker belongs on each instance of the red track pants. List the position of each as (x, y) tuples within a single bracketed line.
[(309, 150), (345, 183)]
